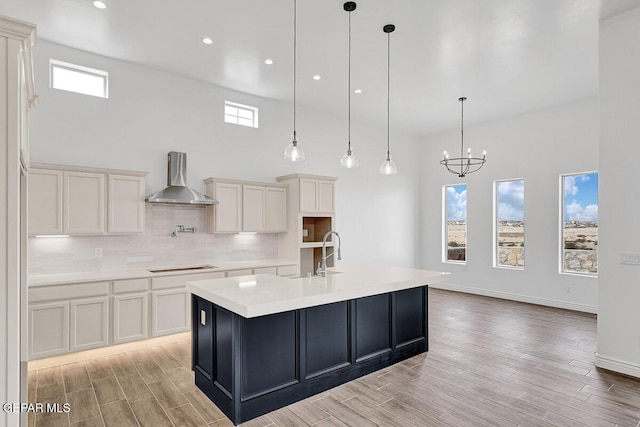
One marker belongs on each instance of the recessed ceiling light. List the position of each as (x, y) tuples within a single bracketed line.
[(316, 77), (100, 4), (358, 91), (268, 61), (207, 40)]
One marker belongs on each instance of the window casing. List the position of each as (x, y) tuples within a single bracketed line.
[(509, 224), (78, 79), (239, 114), (454, 228), (579, 223)]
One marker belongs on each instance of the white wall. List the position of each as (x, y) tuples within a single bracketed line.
[(619, 292), (150, 113), (537, 146)]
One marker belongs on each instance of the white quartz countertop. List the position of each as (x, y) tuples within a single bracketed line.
[(98, 276), (262, 294)]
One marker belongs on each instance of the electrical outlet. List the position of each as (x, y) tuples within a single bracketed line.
[(630, 259), (97, 252), (568, 289)]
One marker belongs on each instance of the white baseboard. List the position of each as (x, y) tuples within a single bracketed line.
[(515, 297), (617, 366)]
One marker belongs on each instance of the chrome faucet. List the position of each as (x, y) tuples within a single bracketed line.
[(182, 229), (322, 269)]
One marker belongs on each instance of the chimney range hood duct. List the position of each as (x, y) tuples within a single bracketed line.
[(177, 190)]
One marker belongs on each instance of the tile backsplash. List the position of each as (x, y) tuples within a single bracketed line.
[(153, 248)]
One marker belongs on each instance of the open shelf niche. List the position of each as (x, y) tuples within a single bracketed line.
[(310, 214)]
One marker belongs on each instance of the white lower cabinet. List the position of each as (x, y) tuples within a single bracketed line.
[(89, 324), (170, 312), (130, 317), (80, 316), (48, 329)]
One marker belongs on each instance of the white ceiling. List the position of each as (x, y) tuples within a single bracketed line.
[(506, 56)]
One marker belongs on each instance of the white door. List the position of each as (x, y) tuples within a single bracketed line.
[(130, 314), (48, 329), (126, 204), (170, 312), (276, 210), (84, 203), (89, 325), (228, 211), (325, 196), (308, 195), (253, 205), (45, 202)]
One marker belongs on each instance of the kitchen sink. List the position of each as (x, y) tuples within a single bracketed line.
[(184, 268), (329, 273)]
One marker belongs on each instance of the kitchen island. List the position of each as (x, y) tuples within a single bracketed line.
[(261, 342)]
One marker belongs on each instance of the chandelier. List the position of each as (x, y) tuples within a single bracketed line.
[(463, 165)]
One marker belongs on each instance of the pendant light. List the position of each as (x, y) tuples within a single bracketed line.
[(463, 165), (293, 152), (349, 160), (388, 167)]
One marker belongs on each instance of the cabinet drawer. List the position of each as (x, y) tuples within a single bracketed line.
[(133, 285), (264, 270), (179, 281), (79, 290), (288, 270), (236, 273)]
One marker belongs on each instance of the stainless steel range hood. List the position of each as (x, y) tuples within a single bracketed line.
[(177, 190)]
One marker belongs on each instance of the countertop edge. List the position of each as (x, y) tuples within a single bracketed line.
[(272, 307), (43, 280)]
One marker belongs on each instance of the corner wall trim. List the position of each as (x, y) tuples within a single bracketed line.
[(515, 297), (616, 365)]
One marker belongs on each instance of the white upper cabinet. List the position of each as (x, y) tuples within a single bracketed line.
[(275, 209), (316, 194), (326, 196), (82, 201), (253, 208), (245, 206), (228, 211), (45, 201), (308, 195), (126, 211)]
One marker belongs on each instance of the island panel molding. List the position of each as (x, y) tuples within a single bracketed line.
[(267, 362), (261, 342)]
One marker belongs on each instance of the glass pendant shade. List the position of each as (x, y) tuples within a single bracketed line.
[(388, 167), (293, 152), (349, 160)]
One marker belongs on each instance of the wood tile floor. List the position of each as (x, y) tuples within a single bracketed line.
[(491, 363)]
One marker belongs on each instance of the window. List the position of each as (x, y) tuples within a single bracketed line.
[(238, 114), (579, 235), (509, 223), (79, 79), (455, 224)]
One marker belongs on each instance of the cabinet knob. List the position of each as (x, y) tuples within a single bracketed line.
[(203, 317)]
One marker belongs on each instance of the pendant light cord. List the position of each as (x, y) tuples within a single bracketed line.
[(461, 131), (388, 90), (349, 90), (295, 32)]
